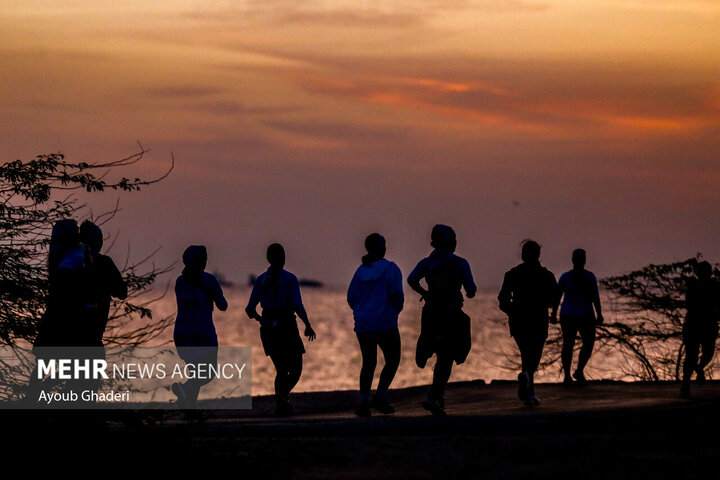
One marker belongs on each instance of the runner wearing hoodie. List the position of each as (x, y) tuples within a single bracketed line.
[(376, 298)]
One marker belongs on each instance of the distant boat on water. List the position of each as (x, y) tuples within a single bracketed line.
[(224, 282), (304, 282)]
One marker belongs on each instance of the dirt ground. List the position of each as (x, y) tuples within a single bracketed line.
[(604, 430)]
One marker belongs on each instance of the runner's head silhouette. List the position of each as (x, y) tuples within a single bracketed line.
[(530, 251), (376, 248), (276, 256), (443, 238), (91, 235), (195, 260), (579, 257), (64, 235)]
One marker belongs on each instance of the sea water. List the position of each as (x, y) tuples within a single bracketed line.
[(332, 362)]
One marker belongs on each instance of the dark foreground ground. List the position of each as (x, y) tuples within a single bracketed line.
[(605, 430)]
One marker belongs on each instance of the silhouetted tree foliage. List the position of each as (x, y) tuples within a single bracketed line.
[(31, 202), (649, 310)]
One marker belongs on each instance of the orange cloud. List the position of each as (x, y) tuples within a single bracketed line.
[(553, 115), (462, 114), (445, 86)]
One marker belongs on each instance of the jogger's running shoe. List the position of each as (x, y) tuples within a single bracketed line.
[(524, 386), (580, 377), (179, 392), (532, 401), (382, 405), (283, 408), (363, 410), (434, 407)]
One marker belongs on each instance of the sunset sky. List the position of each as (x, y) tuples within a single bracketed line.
[(590, 124)]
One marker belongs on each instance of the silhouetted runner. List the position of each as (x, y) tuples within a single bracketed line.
[(528, 291), (278, 293), (67, 320), (445, 328), (376, 298), (107, 281), (700, 330), (580, 293), (67, 317), (197, 293)]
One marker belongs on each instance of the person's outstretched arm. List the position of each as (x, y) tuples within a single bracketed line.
[(300, 309), (396, 297), (220, 301), (467, 280), (505, 295), (352, 297), (555, 294), (211, 287), (556, 304), (414, 278), (178, 293), (251, 308)]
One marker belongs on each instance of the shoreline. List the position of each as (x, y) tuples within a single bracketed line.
[(481, 399)]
